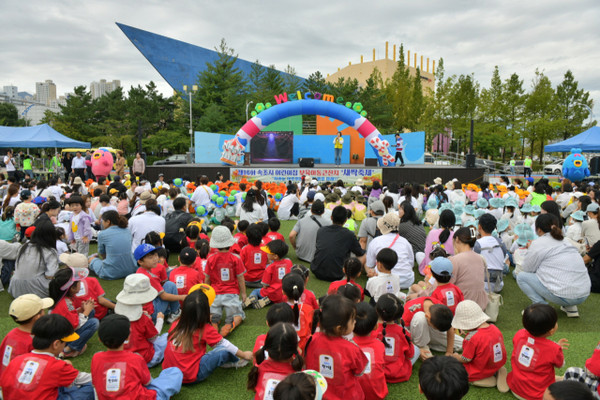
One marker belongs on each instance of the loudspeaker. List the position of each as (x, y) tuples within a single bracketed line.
[(595, 166), (306, 162), (371, 162), (470, 162)]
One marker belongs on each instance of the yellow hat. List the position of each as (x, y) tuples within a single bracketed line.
[(71, 338), (208, 291), (266, 249)]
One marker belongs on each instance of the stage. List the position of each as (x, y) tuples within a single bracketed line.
[(413, 173)]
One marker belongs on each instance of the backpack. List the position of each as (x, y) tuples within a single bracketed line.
[(486, 194)]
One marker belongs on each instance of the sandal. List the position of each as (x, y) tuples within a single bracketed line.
[(73, 353)]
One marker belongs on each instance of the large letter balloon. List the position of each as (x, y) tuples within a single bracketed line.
[(102, 163), (233, 149), (575, 166)]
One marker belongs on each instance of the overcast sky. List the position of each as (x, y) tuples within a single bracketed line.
[(76, 42)]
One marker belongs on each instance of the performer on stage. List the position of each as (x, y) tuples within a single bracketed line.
[(399, 149), (338, 145)]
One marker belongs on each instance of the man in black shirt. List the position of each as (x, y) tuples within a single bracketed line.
[(175, 224), (334, 245)]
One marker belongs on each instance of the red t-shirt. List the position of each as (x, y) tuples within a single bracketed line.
[(304, 326), (533, 361), (189, 362), (269, 237), (240, 239), (141, 332), (161, 272), (372, 381), (154, 279), (485, 348), (414, 306), (67, 309), (334, 286), (341, 362), (308, 297), (449, 295), (255, 262), (223, 270), (272, 277), (15, 343), (398, 367), (260, 342), (121, 374), (235, 249), (36, 376), (185, 277), (593, 363), (200, 264), (90, 288), (270, 373)]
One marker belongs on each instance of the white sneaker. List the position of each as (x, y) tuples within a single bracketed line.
[(572, 313), (241, 363), (173, 317)]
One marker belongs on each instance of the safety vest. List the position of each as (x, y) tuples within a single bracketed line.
[(54, 163), (527, 162), (512, 163)]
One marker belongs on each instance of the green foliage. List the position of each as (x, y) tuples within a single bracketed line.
[(9, 115)]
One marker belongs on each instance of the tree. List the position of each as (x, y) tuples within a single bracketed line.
[(316, 83), (9, 115), (373, 99), (540, 109), (464, 97), (490, 130), (571, 102), (398, 93), (291, 82), (513, 102), (272, 82), (436, 117)]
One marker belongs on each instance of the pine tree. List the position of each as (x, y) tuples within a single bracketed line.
[(571, 102)]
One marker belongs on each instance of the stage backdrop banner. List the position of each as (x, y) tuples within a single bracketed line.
[(348, 175)]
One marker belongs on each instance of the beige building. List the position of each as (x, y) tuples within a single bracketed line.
[(99, 89), (387, 66), (45, 92)]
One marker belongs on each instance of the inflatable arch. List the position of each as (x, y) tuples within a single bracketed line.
[(233, 149)]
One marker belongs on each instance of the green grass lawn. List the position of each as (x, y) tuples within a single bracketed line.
[(582, 334)]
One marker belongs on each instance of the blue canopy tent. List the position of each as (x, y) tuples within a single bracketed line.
[(587, 141), (36, 136)]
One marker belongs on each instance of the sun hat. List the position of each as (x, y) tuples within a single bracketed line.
[(592, 207), (450, 185), (388, 223), (482, 203), (133, 312), (377, 207), (437, 181), (496, 202), (511, 202), (74, 260), (145, 196), (471, 222), (468, 316), (27, 306), (469, 209), (432, 202), (136, 290), (478, 213), (502, 225), (79, 274), (536, 208), (578, 215), (221, 238), (458, 210), (139, 190), (320, 196), (208, 290), (142, 250), (440, 265), (77, 181), (114, 328), (526, 208)]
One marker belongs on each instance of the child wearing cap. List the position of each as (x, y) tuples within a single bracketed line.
[(40, 374), (24, 310), (144, 337), (80, 226), (483, 352), (279, 266), (167, 299), (225, 272), (445, 292), (89, 288), (185, 276), (385, 281), (63, 289), (124, 374)]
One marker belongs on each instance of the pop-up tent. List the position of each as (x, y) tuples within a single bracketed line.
[(587, 141), (36, 136)]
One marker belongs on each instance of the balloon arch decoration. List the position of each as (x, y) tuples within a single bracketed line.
[(233, 149)]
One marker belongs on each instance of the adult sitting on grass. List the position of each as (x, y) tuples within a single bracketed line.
[(114, 260)]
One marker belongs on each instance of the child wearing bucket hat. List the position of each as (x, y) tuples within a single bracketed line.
[(24, 310), (445, 292), (63, 288), (574, 228), (225, 273), (144, 338), (122, 373), (524, 236), (483, 354), (41, 373)]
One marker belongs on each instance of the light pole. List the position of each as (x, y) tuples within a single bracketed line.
[(193, 90), (247, 105)]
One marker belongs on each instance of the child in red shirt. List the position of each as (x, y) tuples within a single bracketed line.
[(534, 357), (240, 237), (339, 360), (280, 312), (40, 374), (123, 374), (279, 266), (274, 226), (24, 310), (372, 381), (185, 276), (352, 269), (188, 351), (162, 268), (254, 259), (588, 375), (400, 352), (483, 352), (89, 288), (308, 297), (445, 292), (283, 359), (62, 289), (203, 250), (225, 272), (293, 286)]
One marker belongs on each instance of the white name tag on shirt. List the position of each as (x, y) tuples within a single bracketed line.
[(390, 347), (497, 352), (326, 366), (526, 356), (28, 373), (225, 274), (113, 380), (270, 388), (6, 356)]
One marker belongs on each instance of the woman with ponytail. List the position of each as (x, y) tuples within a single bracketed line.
[(400, 352), (293, 287), (283, 359), (441, 237), (553, 270), (114, 260), (49, 212)]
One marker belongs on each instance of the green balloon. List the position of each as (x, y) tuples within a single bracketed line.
[(177, 182), (200, 211)]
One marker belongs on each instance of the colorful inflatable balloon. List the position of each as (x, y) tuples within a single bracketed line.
[(201, 211), (575, 167), (233, 149), (102, 163)]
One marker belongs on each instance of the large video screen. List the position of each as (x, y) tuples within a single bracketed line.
[(272, 147)]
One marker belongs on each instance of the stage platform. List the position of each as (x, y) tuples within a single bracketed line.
[(414, 173)]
